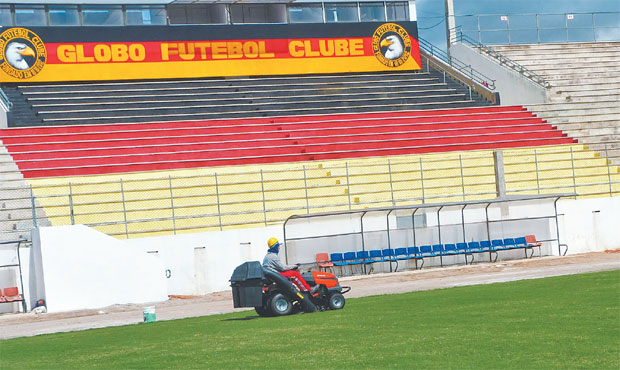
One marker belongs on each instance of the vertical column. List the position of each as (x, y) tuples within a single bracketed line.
[(174, 220), (500, 177), (450, 23)]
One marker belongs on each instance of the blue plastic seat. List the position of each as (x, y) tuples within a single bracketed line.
[(426, 250), (337, 259), (414, 252), (376, 256), (497, 244), (485, 245), (474, 247), (509, 243), (401, 254), (388, 254), (363, 257), (437, 249), (449, 249), (463, 248), (351, 258), (520, 241), (517, 243)]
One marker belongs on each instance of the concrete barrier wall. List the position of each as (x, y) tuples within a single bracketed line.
[(590, 225), (202, 263), (75, 267), (513, 88)]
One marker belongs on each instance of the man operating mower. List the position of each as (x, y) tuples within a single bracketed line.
[(272, 261)]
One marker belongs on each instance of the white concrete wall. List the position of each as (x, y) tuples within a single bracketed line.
[(4, 123), (588, 225), (202, 263), (80, 268), (75, 267), (513, 88)]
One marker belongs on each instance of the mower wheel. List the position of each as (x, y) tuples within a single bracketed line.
[(280, 305), (261, 311), (336, 301)]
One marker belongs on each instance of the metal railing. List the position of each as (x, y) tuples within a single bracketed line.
[(459, 36), (500, 29), (137, 207), (5, 103), (464, 69)]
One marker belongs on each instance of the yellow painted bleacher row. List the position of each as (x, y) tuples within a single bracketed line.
[(207, 199)]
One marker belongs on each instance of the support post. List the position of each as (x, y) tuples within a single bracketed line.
[(387, 221), (262, 185), (217, 199), (306, 187), (124, 210), (450, 23), (500, 177), (346, 165), (362, 238), (462, 176), (71, 211), (174, 221), (608, 162), (34, 208), (572, 161), (537, 175), (391, 182), (422, 179)]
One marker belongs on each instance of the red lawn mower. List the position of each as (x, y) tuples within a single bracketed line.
[(272, 294)]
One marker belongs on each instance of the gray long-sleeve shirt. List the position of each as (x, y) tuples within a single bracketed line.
[(272, 261)]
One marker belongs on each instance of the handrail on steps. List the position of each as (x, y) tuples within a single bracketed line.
[(475, 80), (5, 103), (500, 58)]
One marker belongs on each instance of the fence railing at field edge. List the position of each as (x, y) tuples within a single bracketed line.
[(207, 202)]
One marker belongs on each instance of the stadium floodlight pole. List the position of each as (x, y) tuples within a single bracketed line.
[(450, 23)]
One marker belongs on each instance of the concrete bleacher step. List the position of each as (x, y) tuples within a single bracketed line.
[(579, 82), (579, 112), (587, 97), (137, 97), (579, 75), (16, 208), (238, 114), (256, 140), (144, 101), (583, 124), (584, 99), (546, 48), (553, 71), (596, 64), (141, 147), (602, 89), (277, 81), (215, 101), (219, 85)]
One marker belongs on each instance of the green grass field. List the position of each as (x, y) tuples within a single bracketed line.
[(563, 322)]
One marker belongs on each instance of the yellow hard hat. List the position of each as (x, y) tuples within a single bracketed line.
[(271, 242)]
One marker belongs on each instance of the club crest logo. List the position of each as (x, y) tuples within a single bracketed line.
[(391, 44), (22, 53)]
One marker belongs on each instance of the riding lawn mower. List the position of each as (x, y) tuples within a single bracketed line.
[(272, 294)]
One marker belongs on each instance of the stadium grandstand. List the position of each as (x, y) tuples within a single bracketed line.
[(152, 136)]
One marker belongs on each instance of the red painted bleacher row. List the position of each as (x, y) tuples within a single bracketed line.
[(102, 149)]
